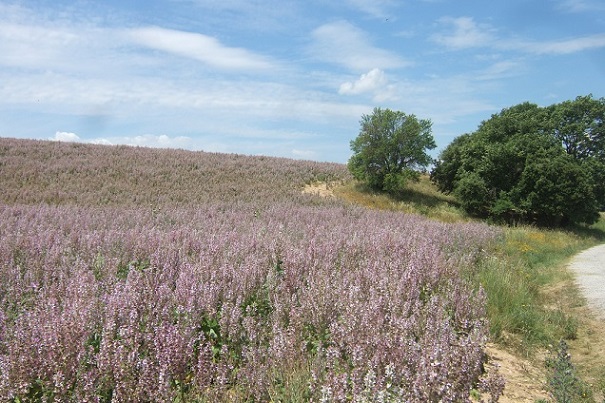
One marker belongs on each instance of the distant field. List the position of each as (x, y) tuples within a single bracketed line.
[(53, 173), (163, 275)]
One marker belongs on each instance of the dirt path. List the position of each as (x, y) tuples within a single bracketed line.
[(589, 269), (588, 350)]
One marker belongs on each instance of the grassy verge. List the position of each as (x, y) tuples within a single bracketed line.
[(420, 197), (529, 289)]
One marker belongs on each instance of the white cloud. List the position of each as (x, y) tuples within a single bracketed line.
[(203, 48), (561, 47), (150, 140), (501, 69), (65, 136), (466, 33), (344, 44), (30, 46), (374, 82), (104, 142), (369, 82), (152, 99), (37, 42), (145, 140)]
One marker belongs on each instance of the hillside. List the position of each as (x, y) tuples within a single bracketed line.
[(57, 173), (136, 274)]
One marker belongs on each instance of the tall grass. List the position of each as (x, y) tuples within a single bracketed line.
[(524, 267)]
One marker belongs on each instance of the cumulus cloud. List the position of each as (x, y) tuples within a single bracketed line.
[(65, 136), (200, 47), (369, 82), (343, 43), (144, 140), (104, 142), (374, 82), (151, 140)]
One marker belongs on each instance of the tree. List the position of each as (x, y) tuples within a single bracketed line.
[(533, 164), (579, 126), (555, 191), (390, 149)]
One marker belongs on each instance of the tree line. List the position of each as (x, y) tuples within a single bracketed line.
[(530, 164)]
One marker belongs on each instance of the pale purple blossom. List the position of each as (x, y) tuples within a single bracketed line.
[(172, 274)]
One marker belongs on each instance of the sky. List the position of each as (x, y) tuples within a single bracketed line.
[(285, 78)]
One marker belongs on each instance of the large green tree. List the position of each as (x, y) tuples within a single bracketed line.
[(391, 148), (528, 163), (578, 124)]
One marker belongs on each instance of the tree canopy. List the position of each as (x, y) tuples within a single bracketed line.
[(391, 147), (528, 163)]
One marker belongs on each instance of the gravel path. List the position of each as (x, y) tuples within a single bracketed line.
[(589, 267)]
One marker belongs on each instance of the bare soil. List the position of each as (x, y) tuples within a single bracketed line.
[(525, 379), (321, 189)]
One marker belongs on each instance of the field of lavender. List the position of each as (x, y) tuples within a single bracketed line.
[(130, 274)]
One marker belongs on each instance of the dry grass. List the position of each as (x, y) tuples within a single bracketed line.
[(418, 198)]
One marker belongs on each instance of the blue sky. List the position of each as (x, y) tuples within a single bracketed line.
[(288, 78)]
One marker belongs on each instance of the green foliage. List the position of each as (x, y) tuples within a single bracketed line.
[(258, 303), (530, 164), (390, 149), (596, 170), (563, 383), (316, 338), (138, 265), (210, 327), (420, 197), (473, 193), (578, 124), (528, 261), (551, 191)]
